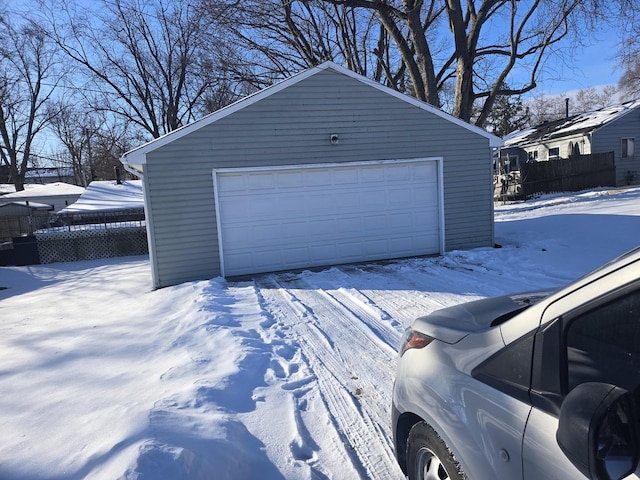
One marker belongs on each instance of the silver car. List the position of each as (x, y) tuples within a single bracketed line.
[(533, 386)]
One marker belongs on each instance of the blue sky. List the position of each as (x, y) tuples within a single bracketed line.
[(592, 66)]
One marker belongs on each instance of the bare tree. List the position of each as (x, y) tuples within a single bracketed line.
[(68, 125), (28, 78), (432, 48), (278, 38), (107, 147), (629, 83), (487, 41), (150, 63), (546, 108), (629, 54), (93, 140), (589, 99)]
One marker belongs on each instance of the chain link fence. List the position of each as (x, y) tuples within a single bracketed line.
[(30, 239)]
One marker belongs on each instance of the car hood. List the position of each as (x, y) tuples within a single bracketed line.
[(452, 324)]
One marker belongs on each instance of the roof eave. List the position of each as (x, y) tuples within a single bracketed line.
[(134, 162), (136, 158)]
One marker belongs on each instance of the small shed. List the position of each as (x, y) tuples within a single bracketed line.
[(327, 167), (19, 218)]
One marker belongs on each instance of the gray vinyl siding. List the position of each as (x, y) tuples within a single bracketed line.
[(608, 139), (293, 127)]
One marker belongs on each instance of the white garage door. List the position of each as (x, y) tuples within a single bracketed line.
[(316, 215)]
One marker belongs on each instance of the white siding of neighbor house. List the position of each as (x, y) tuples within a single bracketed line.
[(293, 127), (608, 139), (563, 144)]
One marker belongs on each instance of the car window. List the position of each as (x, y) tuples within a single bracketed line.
[(603, 344)]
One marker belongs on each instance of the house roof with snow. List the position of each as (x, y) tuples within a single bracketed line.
[(573, 125), (108, 196), (7, 188), (27, 205), (46, 190)]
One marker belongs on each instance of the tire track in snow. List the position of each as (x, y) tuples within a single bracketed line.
[(409, 299), (343, 353), (366, 316)]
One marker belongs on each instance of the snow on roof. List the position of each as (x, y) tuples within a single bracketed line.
[(585, 122), (7, 188), (46, 190), (109, 196)]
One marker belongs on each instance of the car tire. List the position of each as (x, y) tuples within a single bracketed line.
[(428, 457)]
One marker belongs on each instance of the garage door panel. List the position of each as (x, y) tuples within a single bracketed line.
[(233, 183), (399, 196), (320, 254), (312, 216), (402, 222), (346, 176), (375, 247), (402, 173), (373, 174), (319, 178), (427, 198), (323, 230), (375, 223), (290, 179), (425, 170), (348, 225)]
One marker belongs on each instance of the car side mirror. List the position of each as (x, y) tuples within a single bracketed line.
[(598, 431)]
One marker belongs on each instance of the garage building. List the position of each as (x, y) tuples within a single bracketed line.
[(324, 168)]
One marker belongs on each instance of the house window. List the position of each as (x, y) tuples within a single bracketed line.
[(532, 156), (554, 152), (627, 147)]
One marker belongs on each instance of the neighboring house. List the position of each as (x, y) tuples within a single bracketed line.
[(106, 221), (105, 202), (106, 196), (327, 167), (49, 175), (58, 195), (610, 129)]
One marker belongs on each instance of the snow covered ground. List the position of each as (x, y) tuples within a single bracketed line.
[(285, 376)]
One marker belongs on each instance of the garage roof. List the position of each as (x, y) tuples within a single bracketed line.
[(135, 159)]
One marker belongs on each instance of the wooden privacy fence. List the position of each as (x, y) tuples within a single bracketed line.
[(568, 175)]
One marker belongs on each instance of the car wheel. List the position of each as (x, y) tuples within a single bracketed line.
[(429, 458)]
